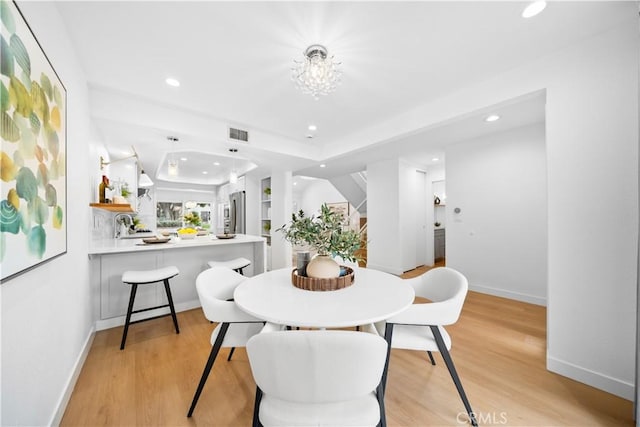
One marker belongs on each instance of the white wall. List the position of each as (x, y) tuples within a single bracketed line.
[(47, 313), (316, 193), (408, 209), (281, 208), (592, 153), (383, 216), (253, 205), (392, 203), (499, 240), (592, 177)]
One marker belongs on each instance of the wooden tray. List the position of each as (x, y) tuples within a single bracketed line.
[(315, 284), (152, 240)]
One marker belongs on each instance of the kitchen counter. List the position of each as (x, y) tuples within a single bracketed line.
[(117, 246), (109, 258)]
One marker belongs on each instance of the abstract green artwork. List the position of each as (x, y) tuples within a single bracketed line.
[(33, 186)]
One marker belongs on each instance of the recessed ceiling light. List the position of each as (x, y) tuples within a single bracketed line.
[(184, 159), (323, 165), (172, 82), (492, 118), (204, 172), (533, 9), (295, 183), (312, 128), (216, 163), (435, 159)]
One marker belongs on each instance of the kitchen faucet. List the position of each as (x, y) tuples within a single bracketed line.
[(121, 219)]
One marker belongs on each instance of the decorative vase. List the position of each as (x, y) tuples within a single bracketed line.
[(323, 267)]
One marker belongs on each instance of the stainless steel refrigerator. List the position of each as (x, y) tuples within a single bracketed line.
[(237, 214)]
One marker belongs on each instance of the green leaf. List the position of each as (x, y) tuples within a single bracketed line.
[(40, 104), (7, 17), (38, 211), (4, 98), (35, 123), (20, 97), (46, 86), (18, 160), (37, 241), (27, 144), (58, 216), (25, 223), (26, 81), (26, 184), (6, 58), (20, 53), (10, 131), (57, 96), (53, 144), (9, 218)]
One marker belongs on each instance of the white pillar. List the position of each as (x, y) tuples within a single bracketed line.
[(281, 209)]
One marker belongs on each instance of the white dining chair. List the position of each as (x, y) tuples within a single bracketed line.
[(421, 326), (318, 377), (215, 288)]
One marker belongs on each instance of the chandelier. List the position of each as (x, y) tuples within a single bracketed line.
[(317, 73)]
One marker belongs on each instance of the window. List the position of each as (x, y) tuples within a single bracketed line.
[(169, 214)]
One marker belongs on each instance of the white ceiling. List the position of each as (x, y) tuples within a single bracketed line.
[(233, 60)]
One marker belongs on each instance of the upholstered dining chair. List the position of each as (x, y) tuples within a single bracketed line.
[(215, 288), (421, 326), (318, 377)]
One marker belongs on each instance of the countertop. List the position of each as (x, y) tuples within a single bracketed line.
[(117, 246)]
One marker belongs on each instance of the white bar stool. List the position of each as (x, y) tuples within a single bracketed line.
[(236, 264), (135, 278)]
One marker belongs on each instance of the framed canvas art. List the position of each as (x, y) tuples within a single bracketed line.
[(340, 208), (33, 185)]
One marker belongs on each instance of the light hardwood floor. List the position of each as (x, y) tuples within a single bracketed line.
[(499, 349)]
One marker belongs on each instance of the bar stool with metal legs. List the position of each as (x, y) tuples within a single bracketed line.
[(135, 278), (236, 264)]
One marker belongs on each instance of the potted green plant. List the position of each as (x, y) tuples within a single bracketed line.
[(328, 235), (124, 190), (193, 219)]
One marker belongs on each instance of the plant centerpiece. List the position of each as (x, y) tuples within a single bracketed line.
[(193, 219), (124, 190), (328, 235)]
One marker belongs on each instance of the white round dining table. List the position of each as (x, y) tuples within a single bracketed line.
[(374, 296)]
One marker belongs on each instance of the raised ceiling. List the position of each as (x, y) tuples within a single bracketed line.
[(233, 60)]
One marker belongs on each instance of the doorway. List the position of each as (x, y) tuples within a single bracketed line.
[(439, 223)]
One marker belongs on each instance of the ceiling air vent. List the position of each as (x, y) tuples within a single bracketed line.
[(238, 135)]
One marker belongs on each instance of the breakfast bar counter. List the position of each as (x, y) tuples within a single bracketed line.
[(118, 246), (110, 258)]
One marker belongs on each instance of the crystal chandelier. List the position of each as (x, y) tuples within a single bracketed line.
[(317, 73)]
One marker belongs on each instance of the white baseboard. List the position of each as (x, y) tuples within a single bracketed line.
[(119, 321), (531, 299), (598, 380), (73, 378)]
